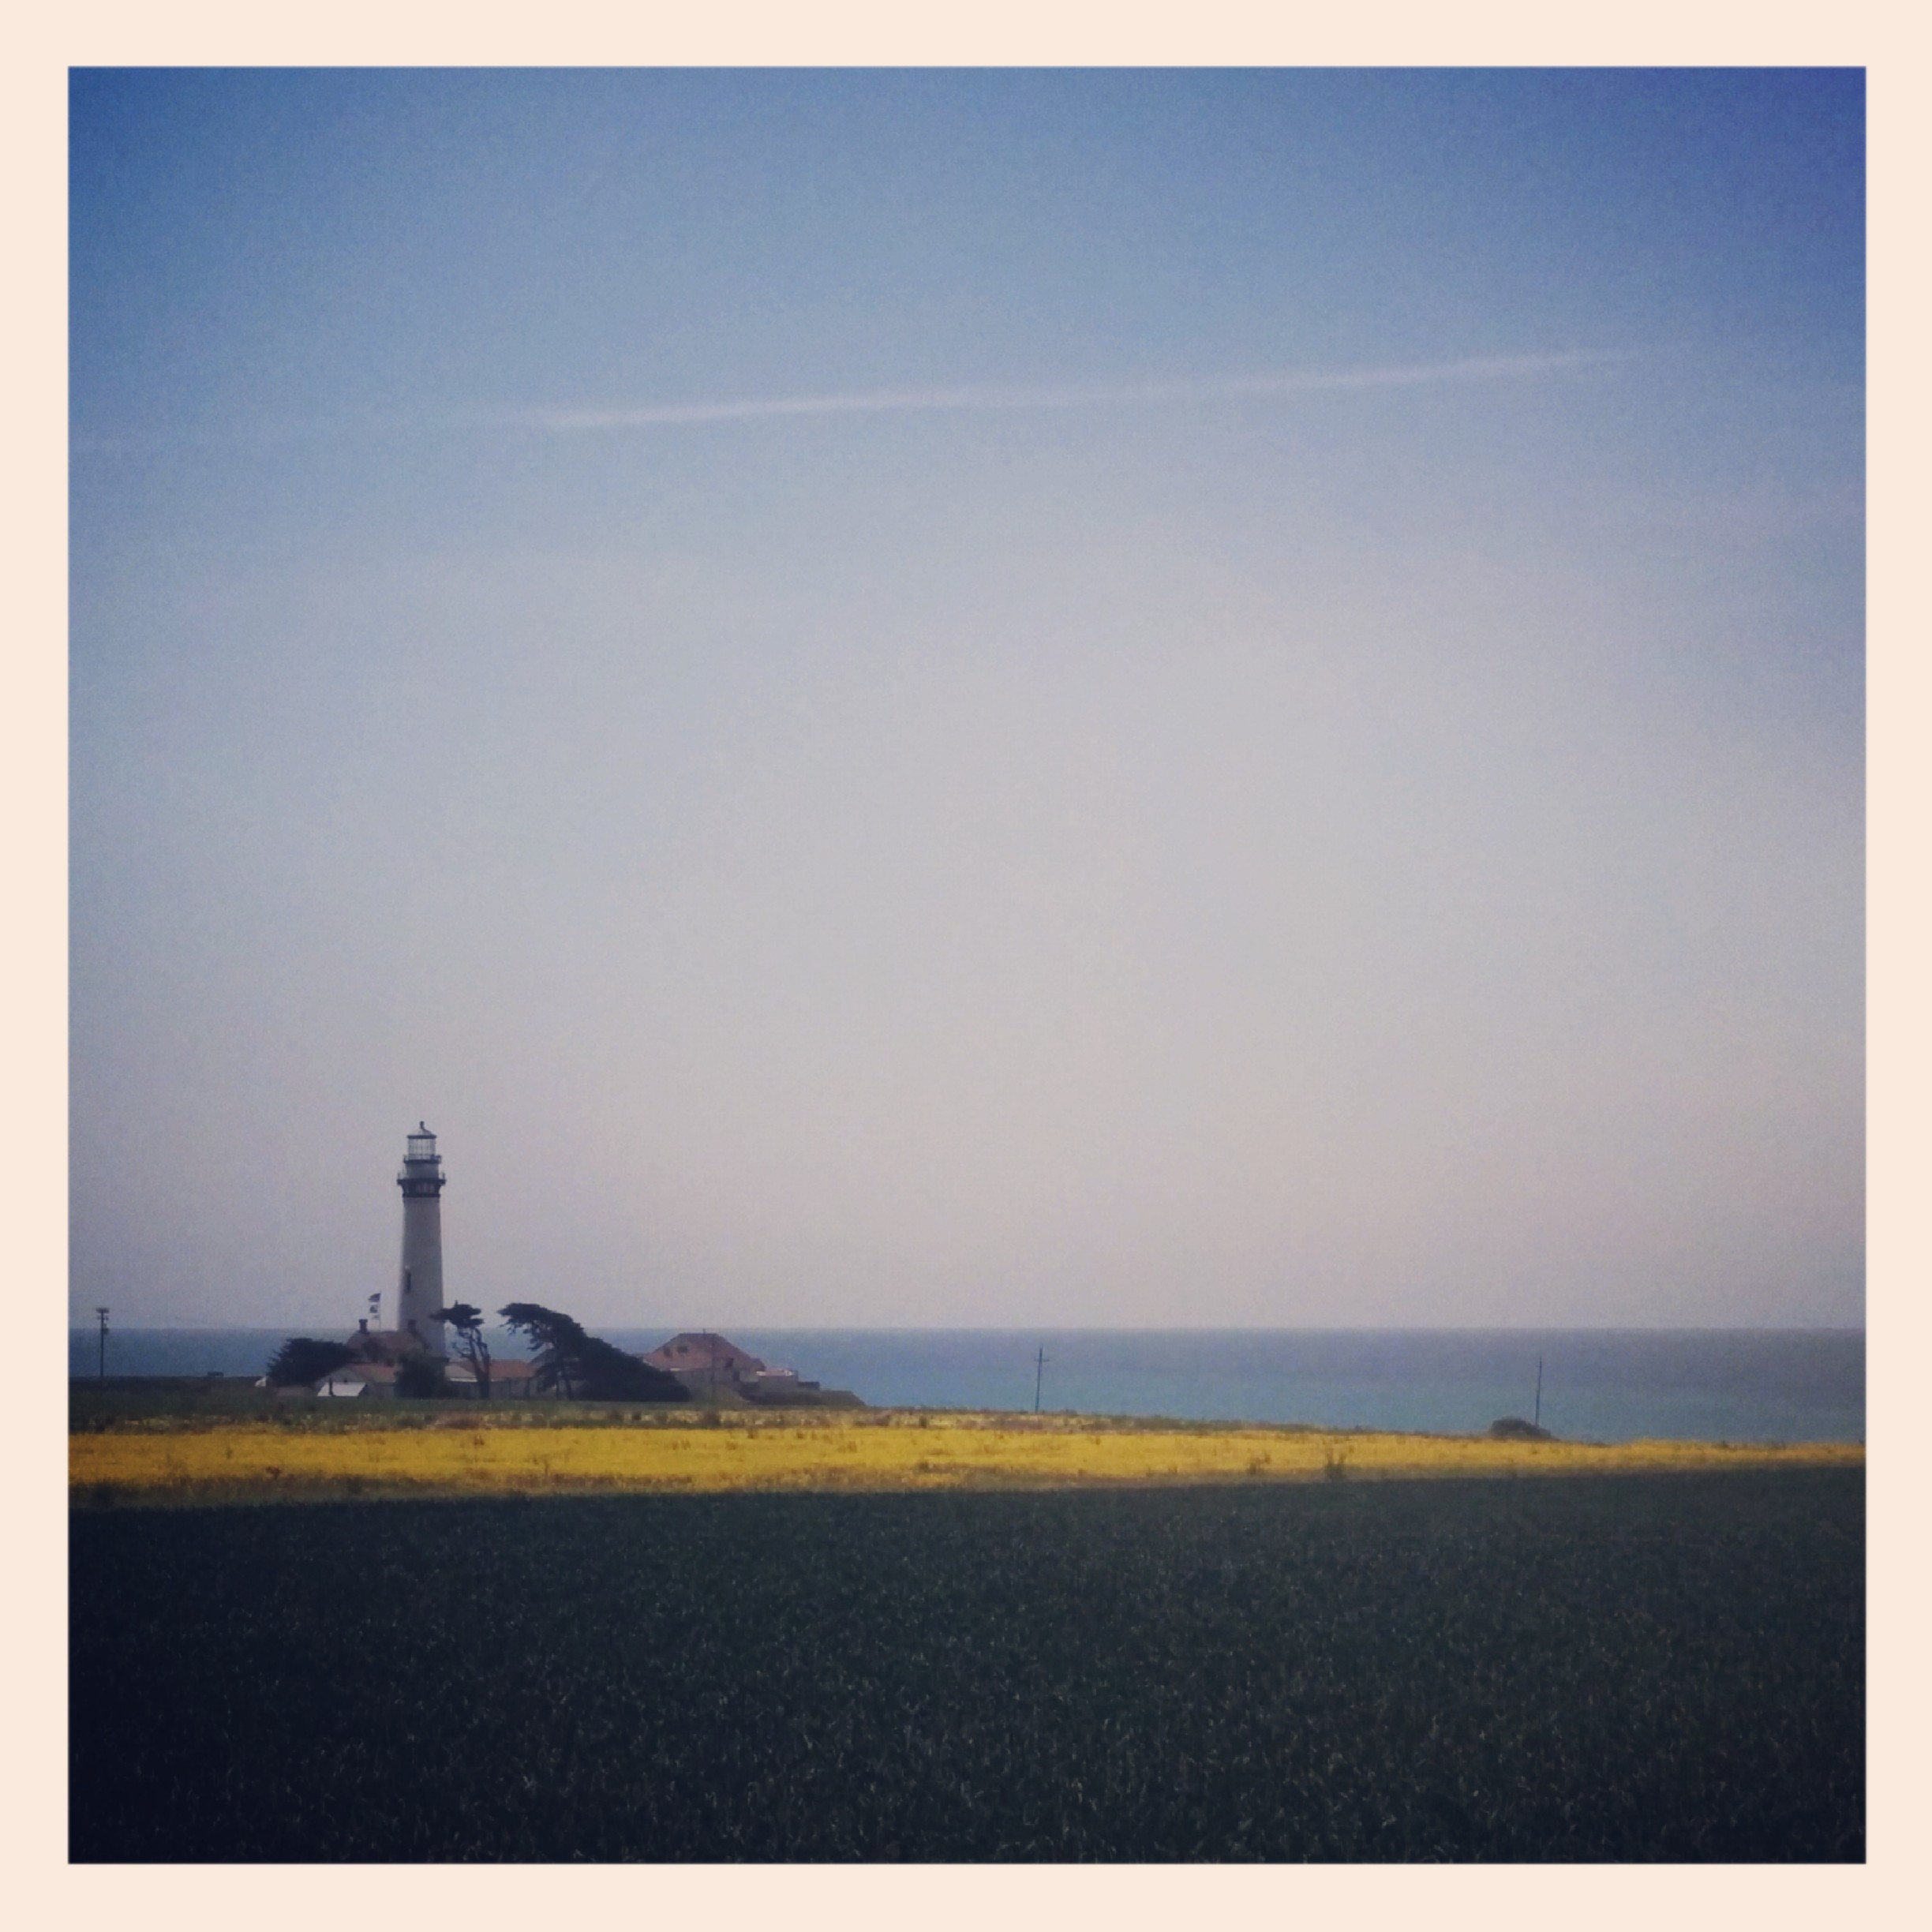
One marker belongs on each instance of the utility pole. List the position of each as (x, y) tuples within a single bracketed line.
[(1040, 1369), (1539, 1401), (101, 1367)]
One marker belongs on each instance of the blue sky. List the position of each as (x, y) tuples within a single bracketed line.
[(1118, 698)]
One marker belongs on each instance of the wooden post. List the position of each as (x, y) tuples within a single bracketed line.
[(1040, 1369)]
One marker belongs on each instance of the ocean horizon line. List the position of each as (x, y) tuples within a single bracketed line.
[(1730, 1384)]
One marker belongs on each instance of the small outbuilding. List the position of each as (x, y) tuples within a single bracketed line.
[(359, 1378), (508, 1380)]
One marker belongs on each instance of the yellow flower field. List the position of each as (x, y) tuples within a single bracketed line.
[(878, 1450)]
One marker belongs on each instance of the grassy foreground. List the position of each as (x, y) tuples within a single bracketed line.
[(478, 1452), (1640, 1667)]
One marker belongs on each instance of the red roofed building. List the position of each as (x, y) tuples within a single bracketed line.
[(703, 1360), (706, 1363)]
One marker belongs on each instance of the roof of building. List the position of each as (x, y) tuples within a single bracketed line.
[(385, 1345), (700, 1350)]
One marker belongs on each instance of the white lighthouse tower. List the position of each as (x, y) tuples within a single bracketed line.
[(420, 1291)]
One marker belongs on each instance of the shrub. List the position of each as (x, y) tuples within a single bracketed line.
[(420, 1377), (302, 1358), (1514, 1428)]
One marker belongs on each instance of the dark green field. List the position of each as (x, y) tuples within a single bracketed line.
[(1629, 1668)]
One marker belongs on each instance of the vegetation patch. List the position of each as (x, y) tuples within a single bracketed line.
[(1636, 1668), (485, 1449)]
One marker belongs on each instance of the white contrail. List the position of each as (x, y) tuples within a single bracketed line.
[(868, 402), (1186, 389)]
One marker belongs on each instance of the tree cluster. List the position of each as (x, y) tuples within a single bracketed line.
[(577, 1365), (302, 1358), (569, 1362), (465, 1323)]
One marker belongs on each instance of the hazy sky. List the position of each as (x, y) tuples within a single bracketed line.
[(976, 699)]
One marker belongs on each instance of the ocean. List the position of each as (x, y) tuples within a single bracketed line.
[(1598, 1385)]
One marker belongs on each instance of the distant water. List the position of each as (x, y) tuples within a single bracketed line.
[(1614, 1385)]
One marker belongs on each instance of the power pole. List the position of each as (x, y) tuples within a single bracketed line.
[(1539, 1401), (101, 1366), (1040, 1369)]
